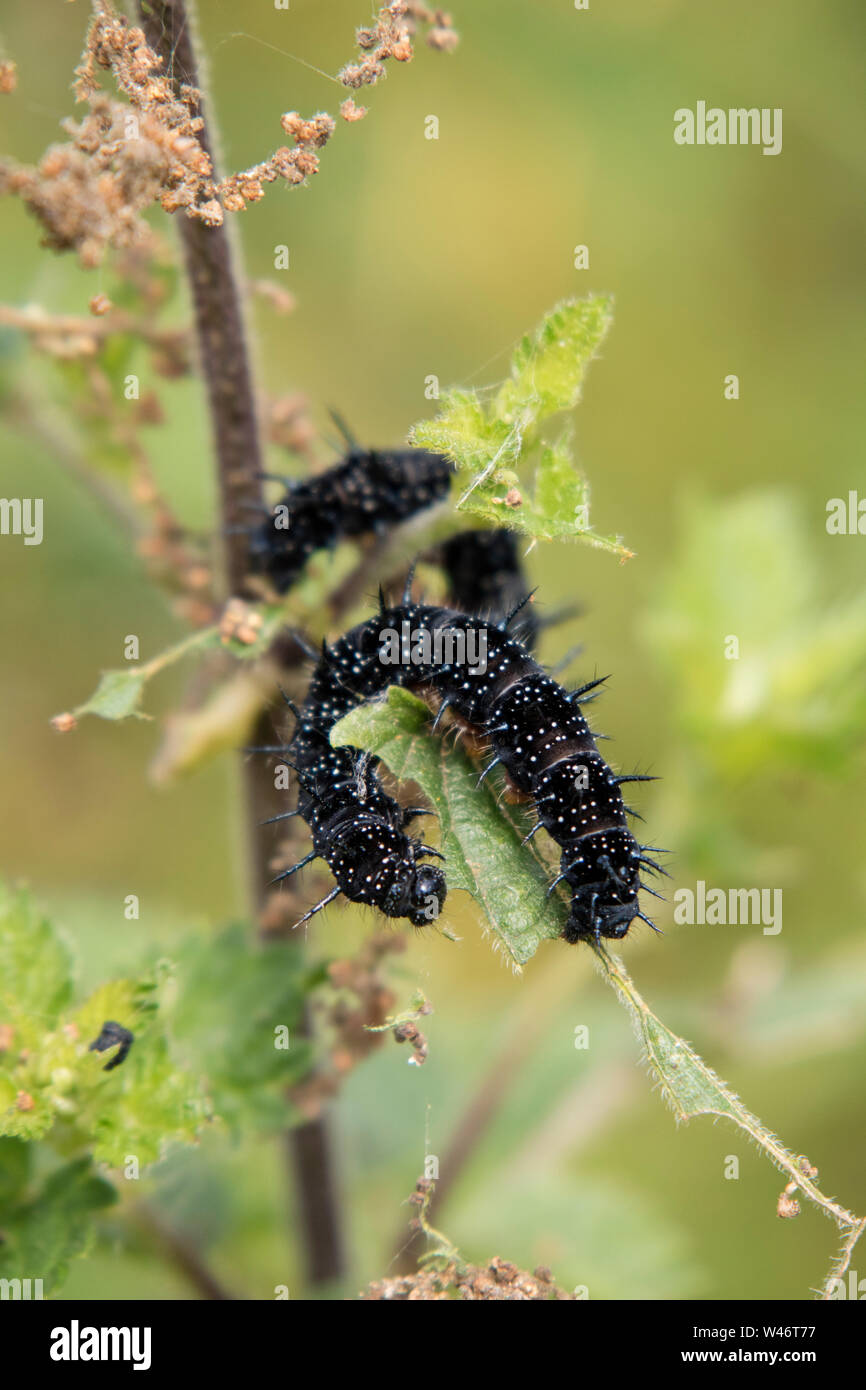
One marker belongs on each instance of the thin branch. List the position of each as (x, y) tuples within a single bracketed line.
[(225, 362), (180, 1252), (82, 335), (840, 1265)]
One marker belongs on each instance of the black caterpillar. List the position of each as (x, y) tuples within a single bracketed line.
[(369, 490), (485, 577), (536, 731)]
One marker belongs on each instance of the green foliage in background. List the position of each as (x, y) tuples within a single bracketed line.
[(766, 670), (51, 1083), (794, 694)]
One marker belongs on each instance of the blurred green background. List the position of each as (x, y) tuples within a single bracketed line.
[(412, 257)]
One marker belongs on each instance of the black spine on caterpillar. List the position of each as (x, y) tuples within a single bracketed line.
[(485, 576), (536, 731), (367, 491)]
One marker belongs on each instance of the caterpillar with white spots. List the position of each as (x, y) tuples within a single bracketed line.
[(485, 577), (368, 491), (536, 732)]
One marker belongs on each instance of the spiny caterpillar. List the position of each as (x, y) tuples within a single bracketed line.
[(485, 577), (536, 731), (369, 490)]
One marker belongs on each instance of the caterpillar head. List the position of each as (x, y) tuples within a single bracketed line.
[(605, 883), (592, 916), (418, 894), (375, 862)]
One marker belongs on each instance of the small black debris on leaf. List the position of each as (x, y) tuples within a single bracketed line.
[(113, 1034)]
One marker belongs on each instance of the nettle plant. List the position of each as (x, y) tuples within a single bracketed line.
[(221, 1030)]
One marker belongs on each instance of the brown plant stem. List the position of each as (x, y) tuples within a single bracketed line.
[(180, 1252), (219, 319), (225, 364)]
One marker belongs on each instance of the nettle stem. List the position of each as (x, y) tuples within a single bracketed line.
[(214, 281), (219, 317)]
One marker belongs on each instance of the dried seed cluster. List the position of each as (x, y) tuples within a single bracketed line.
[(123, 156), (391, 37), (496, 1282)]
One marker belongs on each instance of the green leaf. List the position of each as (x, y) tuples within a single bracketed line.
[(238, 1001), (481, 840), (548, 366), (119, 693), (117, 696), (53, 1225), (48, 1076), (35, 971), (146, 1105), (135, 1110), (492, 441), (465, 431)]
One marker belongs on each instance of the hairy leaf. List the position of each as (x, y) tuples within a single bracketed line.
[(236, 1020), (692, 1088), (480, 839), (549, 365), (48, 1075), (49, 1226), (492, 440)]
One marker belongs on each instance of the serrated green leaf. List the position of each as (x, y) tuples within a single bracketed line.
[(496, 441), (35, 971), (464, 431), (548, 366), (53, 1225), (48, 1076), (135, 1110), (148, 1103), (481, 840), (234, 996), (558, 510)]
